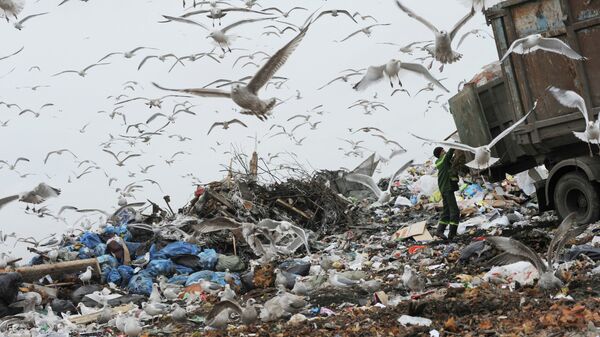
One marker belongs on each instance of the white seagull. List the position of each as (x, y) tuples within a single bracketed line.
[(12, 7), (218, 35), (483, 158), (393, 69), (571, 99), (535, 42), (246, 96), (442, 50), (383, 197)]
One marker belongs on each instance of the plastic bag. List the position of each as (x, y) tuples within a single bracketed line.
[(126, 273), (231, 263), (160, 267), (208, 259), (183, 269), (112, 275), (140, 284), (177, 248), (522, 272), (90, 240), (412, 320), (426, 185), (99, 250), (107, 261)]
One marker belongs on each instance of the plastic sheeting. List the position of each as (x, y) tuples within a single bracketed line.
[(176, 248)]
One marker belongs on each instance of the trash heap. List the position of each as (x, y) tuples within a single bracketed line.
[(311, 256)]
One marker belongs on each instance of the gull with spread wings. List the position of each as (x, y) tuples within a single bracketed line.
[(572, 99), (394, 69), (225, 125), (442, 49), (121, 162), (383, 197), (218, 35), (535, 42), (515, 251), (246, 96), (483, 158)]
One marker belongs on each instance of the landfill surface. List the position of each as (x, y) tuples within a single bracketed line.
[(308, 257)]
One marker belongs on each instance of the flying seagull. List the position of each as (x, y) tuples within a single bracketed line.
[(442, 50), (383, 197), (13, 54), (483, 158), (366, 30), (81, 73), (121, 162), (218, 35), (226, 124), (12, 7), (572, 99), (535, 42), (127, 54), (36, 196), (394, 69), (58, 152), (13, 166), (216, 13), (246, 96), (19, 24), (516, 251)]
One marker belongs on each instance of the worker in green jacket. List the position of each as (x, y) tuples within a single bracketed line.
[(448, 184)]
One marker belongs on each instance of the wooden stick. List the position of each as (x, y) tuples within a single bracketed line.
[(56, 270)]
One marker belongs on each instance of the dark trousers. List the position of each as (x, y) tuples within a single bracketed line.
[(450, 213)]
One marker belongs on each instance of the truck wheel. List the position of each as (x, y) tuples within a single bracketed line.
[(574, 192)]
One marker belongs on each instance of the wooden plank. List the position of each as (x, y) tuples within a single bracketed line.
[(56, 270)]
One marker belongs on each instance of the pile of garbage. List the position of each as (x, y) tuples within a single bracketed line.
[(314, 256)]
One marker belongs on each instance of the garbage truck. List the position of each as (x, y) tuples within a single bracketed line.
[(504, 92)]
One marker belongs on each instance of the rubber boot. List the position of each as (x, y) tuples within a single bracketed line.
[(452, 232), (441, 228)]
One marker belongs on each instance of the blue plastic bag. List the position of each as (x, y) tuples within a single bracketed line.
[(160, 267), (177, 248), (178, 279), (99, 250), (140, 284), (133, 247), (208, 259), (126, 273), (472, 189), (112, 275), (183, 269), (90, 239), (107, 261)]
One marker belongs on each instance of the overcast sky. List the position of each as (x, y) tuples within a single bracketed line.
[(78, 34)]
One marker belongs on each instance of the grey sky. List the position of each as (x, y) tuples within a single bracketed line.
[(78, 34)]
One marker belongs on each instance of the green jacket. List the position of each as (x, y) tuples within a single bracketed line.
[(447, 178)]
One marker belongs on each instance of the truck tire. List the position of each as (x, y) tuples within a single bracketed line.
[(574, 192)]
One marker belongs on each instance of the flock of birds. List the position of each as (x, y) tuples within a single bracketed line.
[(245, 92), (246, 96)]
